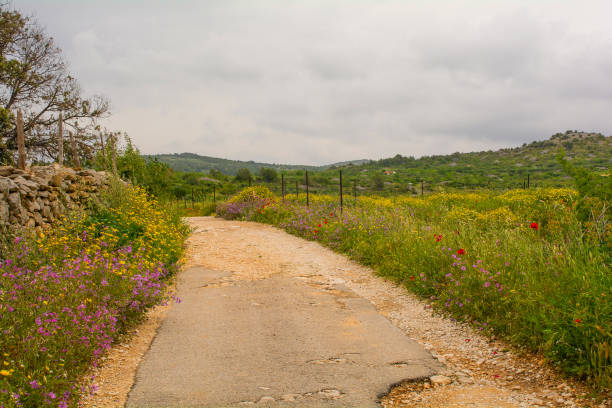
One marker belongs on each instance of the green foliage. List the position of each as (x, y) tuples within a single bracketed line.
[(378, 181), (243, 175), (268, 175), (496, 170)]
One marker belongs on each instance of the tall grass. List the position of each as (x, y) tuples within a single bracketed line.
[(519, 264)]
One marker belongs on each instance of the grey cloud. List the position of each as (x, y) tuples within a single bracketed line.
[(322, 81)]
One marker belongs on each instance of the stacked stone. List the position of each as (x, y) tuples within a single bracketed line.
[(37, 196)]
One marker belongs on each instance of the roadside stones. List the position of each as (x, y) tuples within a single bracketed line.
[(440, 380), (36, 197)]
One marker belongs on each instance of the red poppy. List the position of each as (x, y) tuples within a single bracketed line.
[(534, 225), (326, 221), (578, 321), (319, 225), (438, 238), (461, 251), (412, 278), (315, 231)]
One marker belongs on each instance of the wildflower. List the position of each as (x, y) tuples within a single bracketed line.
[(34, 384), (51, 395), (578, 321), (319, 225), (438, 238), (5, 373), (461, 251), (534, 225)]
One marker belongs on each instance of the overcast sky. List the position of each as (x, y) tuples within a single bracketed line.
[(315, 82)]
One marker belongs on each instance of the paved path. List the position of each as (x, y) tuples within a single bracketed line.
[(266, 320)]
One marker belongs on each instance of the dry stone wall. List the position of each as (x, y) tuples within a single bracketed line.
[(37, 196)]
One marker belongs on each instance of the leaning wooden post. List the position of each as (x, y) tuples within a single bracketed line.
[(75, 153), (307, 192), (21, 159), (103, 151), (341, 203), (114, 154), (60, 140)]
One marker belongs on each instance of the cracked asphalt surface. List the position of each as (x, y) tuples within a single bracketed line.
[(270, 326)]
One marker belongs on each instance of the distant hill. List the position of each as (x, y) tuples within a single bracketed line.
[(190, 162), (504, 168), (501, 168)]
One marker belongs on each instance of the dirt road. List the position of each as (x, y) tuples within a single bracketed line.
[(267, 320)]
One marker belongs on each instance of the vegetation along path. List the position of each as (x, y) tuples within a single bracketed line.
[(269, 319)]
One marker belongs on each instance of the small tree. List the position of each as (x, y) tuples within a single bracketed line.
[(379, 181), (268, 175), (243, 175)]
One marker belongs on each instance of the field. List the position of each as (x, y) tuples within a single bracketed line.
[(67, 293), (519, 264)]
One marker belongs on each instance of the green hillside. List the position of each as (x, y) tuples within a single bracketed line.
[(190, 162), (500, 169), (505, 168)]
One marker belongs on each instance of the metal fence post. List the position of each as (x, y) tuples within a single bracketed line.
[(307, 192), (341, 203)]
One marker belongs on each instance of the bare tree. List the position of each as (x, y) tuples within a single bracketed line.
[(35, 79)]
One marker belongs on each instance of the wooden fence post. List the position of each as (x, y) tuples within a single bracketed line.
[(103, 150), (527, 180), (114, 154), (283, 186), (214, 193), (75, 153), (60, 140), (341, 203), (422, 188), (21, 158), (307, 192)]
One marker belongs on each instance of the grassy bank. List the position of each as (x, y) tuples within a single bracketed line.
[(67, 293), (517, 264)]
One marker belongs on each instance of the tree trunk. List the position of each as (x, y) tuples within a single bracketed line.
[(21, 161), (60, 140)]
